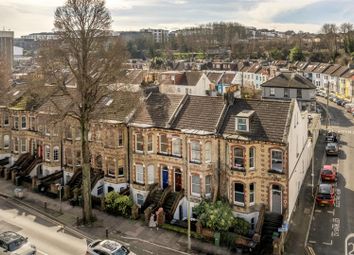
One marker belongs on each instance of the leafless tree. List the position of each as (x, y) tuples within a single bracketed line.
[(84, 54), (330, 32)]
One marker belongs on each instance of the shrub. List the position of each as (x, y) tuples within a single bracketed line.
[(118, 204), (241, 226), (216, 216)]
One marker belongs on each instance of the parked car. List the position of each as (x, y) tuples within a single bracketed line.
[(329, 173), (107, 247), (339, 101), (326, 194), (332, 149), (13, 243), (331, 137)]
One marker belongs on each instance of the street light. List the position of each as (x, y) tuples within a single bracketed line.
[(60, 187)]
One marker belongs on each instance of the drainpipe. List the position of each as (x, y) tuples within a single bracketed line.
[(129, 162)]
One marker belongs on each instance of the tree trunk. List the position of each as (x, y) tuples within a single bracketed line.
[(86, 174)]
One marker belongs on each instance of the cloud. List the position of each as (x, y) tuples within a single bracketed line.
[(308, 15)]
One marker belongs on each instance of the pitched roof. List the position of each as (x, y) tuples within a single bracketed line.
[(157, 110), (254, 68), (310, 67), (185, 78), (214, 76), (200, 113), (348, 74), (321, 68), (228, 77), (340, 71), (332, 69), (289, 80), (269, 122)]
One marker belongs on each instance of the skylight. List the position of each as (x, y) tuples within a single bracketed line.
[(109, 102), (16, 92)]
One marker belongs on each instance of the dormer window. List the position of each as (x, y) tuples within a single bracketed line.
[(241, 124), (242, 120)]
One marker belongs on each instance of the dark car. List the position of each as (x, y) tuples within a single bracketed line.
[(326, 194), (332, 149), (339, 102), (329, 173), (331, 137)]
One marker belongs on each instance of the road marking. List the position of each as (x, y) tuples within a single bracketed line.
[(148, 251), (313, 242), (318, 210), (42, 252), (331, 243), (331, 212)]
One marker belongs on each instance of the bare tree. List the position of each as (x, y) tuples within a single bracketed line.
[(330, 32), (87, 55), (5, 75)]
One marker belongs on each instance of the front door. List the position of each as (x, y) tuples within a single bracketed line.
[(164, 177), (178, 180), (276, 199)]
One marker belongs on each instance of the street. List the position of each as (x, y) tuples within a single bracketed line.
[(45, 235), (330, 226)]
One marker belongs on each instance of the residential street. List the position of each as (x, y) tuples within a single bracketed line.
[(331, 226), (44, 234)]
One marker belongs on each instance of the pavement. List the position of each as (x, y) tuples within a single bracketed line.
[(134, 233)]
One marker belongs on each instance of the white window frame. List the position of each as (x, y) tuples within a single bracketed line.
[(282, 160), (208, 186), (16, 144), (139, 174), (6, 140), (23, 117), (207, 152), (139, 142), (111, 163), (272, 92), (176, 146), (47, 152), (16, 119), (252, 193), (238, 124), (23, 145), (150, 143), (6, 119), (139, 199), (252, 158), (151, 174), (163, 143), (239, 193), (56, 153), (234, 156), (195, 152), (195, 185)]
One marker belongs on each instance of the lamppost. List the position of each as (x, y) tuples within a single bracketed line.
[(60, 187)]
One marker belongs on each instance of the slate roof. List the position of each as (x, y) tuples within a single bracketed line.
[(157, 109), (228, 77), (348, 74), (289, 80), (254, 68), (340, 71), (214, 76), (301, 65), (310, 67), (269, 122), (185, 78), (200, 113), (332, 69), (321, 68)]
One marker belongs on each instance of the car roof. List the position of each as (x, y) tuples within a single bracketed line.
[(110, 245), (331, 144), (325, 188), (327, 167), (9, 236)]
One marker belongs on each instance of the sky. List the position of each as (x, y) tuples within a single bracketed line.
[(32, 16)]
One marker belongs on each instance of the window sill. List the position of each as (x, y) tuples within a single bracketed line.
[(139, 152), (110, 176), (139, 183), (239, 204), (195, 162), (238, 169), (272, 171)]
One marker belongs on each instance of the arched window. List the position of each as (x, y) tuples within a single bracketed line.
[(56, 153), (208, 152), (6, 141), (238, 158), (139, 174), (239, 196)]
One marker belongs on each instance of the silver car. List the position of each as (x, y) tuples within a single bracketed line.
[(12, 243), (107, 247)]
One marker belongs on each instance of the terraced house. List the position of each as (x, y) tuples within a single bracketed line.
[(166, 149)]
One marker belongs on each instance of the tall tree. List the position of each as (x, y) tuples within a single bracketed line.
[(330, 32), (86, 53), (296, 55), (348, 32)]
